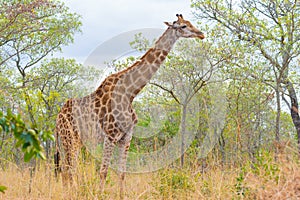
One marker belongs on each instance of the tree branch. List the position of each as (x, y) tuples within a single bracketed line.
[(167, 90)]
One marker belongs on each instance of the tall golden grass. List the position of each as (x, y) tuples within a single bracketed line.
[(266, 178)]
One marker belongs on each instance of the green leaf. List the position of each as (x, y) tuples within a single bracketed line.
[(3, 188), (25, 146), (19, 142), (41, 155), (36, 145), (28, 156)]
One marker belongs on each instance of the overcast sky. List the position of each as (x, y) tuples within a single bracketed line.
[(105, 19)]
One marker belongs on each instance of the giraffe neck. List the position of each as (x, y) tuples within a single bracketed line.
[(139, 74), (167, 40)]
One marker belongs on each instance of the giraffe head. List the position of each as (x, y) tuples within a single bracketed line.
[(184, 28)]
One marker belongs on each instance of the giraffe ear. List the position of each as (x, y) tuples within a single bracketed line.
[(168, 24)]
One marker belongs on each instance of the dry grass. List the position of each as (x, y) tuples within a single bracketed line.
[(266, 180), (275, 180)]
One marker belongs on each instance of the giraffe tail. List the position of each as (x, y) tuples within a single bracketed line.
[(57, 166)]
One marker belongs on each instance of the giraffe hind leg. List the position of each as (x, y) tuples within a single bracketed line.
[(71, 147), (107, 153), (67, 176), (124, 145), (70, 165)]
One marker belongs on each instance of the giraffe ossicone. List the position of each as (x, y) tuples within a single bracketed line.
[(107, 114)]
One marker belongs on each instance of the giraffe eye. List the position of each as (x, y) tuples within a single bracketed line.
[(184, 26)]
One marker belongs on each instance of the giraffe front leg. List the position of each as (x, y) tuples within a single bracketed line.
[(123, 152), (107, 153)]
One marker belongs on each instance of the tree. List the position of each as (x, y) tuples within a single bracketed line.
[(270, 29), (180, 79), (31, 29), (184, 74)]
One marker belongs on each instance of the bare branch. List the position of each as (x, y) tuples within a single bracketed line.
[(167, 90)]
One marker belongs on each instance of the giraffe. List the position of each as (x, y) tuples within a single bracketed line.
[(109, 108)]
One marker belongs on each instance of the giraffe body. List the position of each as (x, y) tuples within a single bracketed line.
[(107, 114)]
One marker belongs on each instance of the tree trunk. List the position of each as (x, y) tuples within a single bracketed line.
[(222, 147), (277, 128), (294, 110), (182, 128)]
